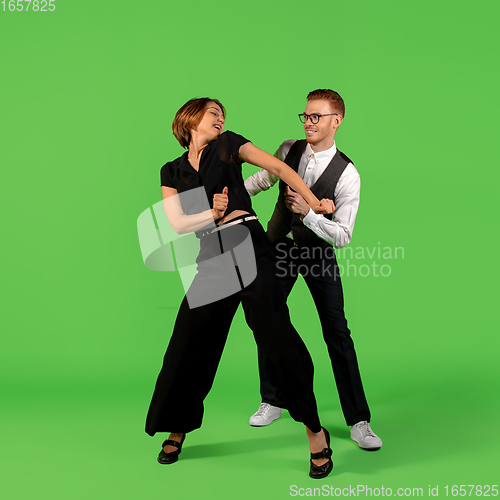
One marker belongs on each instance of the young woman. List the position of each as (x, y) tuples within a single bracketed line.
[(213, 162)]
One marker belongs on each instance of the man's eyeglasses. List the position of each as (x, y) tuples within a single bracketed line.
[(314, 118)]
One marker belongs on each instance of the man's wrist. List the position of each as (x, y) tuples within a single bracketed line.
[(303, 216)]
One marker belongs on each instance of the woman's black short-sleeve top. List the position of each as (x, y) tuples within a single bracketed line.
[(219, 167)]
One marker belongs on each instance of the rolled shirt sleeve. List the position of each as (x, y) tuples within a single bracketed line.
[(261, 181)]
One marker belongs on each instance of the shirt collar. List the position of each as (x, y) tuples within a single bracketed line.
[(328, 154), (184, 162), (184, 165)]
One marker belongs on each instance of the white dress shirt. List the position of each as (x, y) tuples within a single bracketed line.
[(338, 231)]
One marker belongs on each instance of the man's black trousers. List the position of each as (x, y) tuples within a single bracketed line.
[(318, 266)]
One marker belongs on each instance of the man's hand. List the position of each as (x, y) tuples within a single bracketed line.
[(325, 206), (295, 202), (220, 204)]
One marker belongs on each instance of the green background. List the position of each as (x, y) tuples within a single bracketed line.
[(88, 93)]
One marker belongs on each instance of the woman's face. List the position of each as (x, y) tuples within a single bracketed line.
[(212, 122)]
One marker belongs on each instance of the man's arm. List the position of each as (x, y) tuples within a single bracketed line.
[(338, 231), (261, 181)]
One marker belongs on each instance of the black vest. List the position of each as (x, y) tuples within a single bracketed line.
[(283, 220)]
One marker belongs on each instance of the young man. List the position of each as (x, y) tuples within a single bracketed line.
[(304, 245)]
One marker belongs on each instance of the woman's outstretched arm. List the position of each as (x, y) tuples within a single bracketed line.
[(252, 154)]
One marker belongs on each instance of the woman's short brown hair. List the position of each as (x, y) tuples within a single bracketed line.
[(189, 117), (336, 101)]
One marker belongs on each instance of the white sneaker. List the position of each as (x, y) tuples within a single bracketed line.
[(362, 433), (265, 415)]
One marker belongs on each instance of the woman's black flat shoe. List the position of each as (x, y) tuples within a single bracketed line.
[(170, 458), (320, 471)]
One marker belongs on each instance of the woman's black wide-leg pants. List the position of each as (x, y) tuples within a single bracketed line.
[(200, 333)]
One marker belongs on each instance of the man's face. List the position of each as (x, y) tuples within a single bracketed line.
[(322, 132)]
